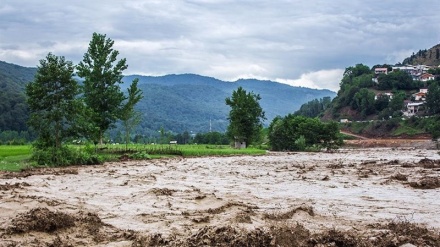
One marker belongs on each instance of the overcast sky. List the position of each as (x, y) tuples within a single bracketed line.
[(303, 43)]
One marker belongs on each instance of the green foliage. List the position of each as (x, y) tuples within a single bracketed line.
[(353, 72), (140, 156), (396, 103), (64, 156), (102, 75), (433, 127), (215, 138), (399, 80), (245, 117), (11, 137), (297, 133), (177, 102), (52, 100), (363, 101), (433, 98), (381, 102), (354, 78), (13, 107), (300, 143), (314, 108), (129, 117)]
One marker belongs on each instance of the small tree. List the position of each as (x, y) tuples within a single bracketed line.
[(54, 107), (102, 75), (129, 117), (245, 117), (52, 100)]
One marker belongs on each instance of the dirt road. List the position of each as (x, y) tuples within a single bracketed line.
[(180, 202)]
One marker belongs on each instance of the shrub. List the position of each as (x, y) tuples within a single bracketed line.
[(300, 143), (140, 156), (298, 133), (64, 156)]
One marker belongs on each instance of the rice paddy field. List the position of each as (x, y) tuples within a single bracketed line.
[(14, 157), (17, 157)]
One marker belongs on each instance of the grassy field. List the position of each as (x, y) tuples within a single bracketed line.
[(184, 150), (16, 158), (407, 130)]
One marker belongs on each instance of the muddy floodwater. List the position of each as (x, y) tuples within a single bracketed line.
[(181, 201)]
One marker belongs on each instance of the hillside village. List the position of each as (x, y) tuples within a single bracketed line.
[(383, 92), (415, 105)]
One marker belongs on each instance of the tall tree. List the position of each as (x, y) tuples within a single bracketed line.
[(245, 117), (52, 100), (129, 116), (364, 102), (433, 98), (102, 74)]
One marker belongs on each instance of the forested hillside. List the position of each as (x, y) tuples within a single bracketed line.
[(176, 103), (197, 103), (384, 101), (366, 95), (13, 110)]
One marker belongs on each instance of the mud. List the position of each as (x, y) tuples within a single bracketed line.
[(350, 197)]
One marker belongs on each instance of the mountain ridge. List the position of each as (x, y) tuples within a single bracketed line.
[(180, 102), (429, 56)]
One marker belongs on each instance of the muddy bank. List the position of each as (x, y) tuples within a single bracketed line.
[(351, 196)]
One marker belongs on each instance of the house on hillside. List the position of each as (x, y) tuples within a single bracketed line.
[(424, 90), (426, 77), (389, 95), (413, 108), (378, 71), (421, 95), (414, 71)]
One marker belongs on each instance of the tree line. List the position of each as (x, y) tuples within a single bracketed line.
[(291, 132)]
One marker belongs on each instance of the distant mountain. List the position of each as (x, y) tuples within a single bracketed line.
[(178, 103), (197, 103), (426, 57)]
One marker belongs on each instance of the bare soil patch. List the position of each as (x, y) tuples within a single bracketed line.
[(350, 197)]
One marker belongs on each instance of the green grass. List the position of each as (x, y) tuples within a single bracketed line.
[(186, 150), (358, 127), (215, 150), (407, 130), (14, 158)]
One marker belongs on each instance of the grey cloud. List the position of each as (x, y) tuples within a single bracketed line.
[(223, 38)]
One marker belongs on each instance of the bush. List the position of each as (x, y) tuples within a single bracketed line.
[(301, 143), (298, 133), (64, 156), (140, 156)]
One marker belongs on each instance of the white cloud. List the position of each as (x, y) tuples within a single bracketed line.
[(323, 79)]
